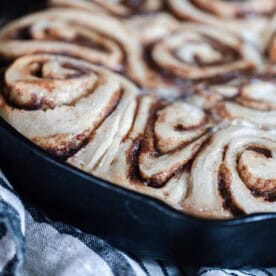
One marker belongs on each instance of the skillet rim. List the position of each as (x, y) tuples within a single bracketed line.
[(156, 203)]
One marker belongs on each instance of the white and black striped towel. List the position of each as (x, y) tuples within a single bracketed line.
[(31, 244)]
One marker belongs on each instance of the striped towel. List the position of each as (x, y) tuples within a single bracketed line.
[(32, 244)]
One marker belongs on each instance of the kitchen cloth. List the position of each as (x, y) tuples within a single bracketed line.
[(31, 244)]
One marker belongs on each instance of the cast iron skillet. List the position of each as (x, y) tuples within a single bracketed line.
[(129, 220)]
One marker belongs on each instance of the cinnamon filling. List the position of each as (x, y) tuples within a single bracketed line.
[(224, 182)]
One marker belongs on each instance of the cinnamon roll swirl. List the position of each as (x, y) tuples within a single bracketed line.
[(196, 52), (251, 99), (95, 38), (58, 102), (147, 18), (250, 19), (234, 174), (120, 8), (153, 157)]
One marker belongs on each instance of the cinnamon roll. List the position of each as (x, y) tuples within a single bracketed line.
[(146, 18), (196, 52), (95, 38), (234, 174), (117, 8), (154, 156), (250, 19), (250, 98), (58, 102)]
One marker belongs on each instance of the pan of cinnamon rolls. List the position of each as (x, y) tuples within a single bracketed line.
[(157, 113)]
